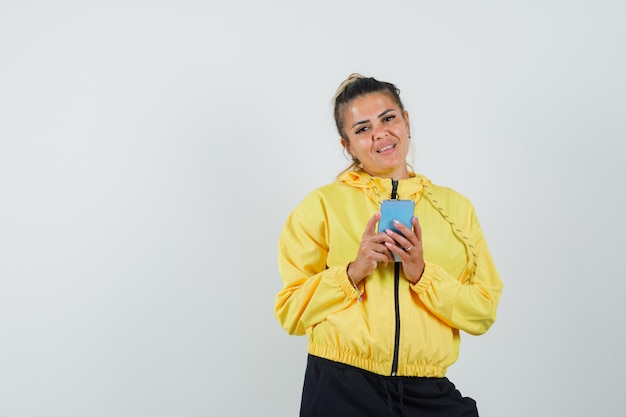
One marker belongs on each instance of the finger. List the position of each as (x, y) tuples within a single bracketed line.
[(370, 228), (398, 239), (385, 257), (406, 237), (417, 228), (398, 250), (386, 236), (407, 232), (389, 254), (379, 250), (377, 255)]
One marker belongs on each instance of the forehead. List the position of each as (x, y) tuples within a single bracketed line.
[(369, 106)]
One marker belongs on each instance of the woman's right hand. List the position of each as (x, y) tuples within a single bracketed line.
[(372, 250)]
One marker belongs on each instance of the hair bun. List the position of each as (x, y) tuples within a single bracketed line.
[(347, 82)]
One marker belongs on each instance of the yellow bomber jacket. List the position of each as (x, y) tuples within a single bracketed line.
[(459, 289)]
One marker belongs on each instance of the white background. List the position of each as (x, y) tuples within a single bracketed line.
[(150, 152)]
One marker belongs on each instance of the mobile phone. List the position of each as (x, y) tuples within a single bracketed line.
[(400, 210)]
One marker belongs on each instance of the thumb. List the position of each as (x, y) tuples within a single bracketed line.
[(370, 228)]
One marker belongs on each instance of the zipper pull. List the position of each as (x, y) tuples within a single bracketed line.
[(394, 189)]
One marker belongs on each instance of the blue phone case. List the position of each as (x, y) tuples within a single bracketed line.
[(400, 210)]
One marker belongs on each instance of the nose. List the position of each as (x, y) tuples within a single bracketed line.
[(378, 132)]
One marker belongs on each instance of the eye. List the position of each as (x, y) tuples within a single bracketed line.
[(389, 118), (361, 129)]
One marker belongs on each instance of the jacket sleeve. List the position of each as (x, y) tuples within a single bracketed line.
[(466, 304), (311, 290)]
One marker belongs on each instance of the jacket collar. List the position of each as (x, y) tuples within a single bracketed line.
[(379, 189)]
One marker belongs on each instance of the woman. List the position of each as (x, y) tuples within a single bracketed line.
[(382, 333)]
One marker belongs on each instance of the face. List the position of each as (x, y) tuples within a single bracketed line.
[(377, 135)]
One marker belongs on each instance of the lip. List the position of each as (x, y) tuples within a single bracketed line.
[(387, 148)]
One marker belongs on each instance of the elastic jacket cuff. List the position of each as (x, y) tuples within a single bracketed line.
[(430, 271), (346, 283)]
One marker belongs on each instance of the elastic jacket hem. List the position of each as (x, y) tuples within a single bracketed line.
[(427, 370)]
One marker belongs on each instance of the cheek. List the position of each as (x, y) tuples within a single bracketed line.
[(360, 146)]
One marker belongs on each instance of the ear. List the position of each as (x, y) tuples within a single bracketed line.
[(346, 145), (407, 123)]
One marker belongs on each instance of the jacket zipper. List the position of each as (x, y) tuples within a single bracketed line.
[(396, 294)]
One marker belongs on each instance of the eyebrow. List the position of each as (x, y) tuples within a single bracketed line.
[(365, 121)]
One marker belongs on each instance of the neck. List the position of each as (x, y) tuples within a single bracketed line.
[(398, 174)]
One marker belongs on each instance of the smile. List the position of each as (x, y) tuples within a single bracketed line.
[(386, 148)]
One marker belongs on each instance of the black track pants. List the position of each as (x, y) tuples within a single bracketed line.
[(333, 389)]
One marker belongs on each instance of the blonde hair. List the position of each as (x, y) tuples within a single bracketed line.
[(345, 83)]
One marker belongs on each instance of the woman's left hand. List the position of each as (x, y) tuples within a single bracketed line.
[(409, 249)]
